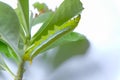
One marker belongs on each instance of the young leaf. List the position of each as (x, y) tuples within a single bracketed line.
[(51, 37), (44, 13), (41, 7), (67, 10), (9, 26), (41, 18), (23, 13)]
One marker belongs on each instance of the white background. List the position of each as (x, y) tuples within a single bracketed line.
[(100, 23)]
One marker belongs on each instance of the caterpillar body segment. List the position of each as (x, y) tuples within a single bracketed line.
[(50, 38)]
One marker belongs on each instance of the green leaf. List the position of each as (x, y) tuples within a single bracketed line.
[(1, 63), (67, 10), (41, 18), (41, 7), (43, 15), (7, 51), (50, 38), (9, 27), (22, 11), (71, 45), (3, 66), (4, 49), (70, 37)]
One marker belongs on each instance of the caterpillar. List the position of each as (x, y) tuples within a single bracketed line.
[(51, 37)]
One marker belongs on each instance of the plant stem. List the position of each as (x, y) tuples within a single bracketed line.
[(20, 71)]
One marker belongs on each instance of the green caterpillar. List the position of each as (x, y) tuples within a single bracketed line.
[(51, 37)]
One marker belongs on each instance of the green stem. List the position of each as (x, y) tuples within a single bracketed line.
[(20, 71)]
